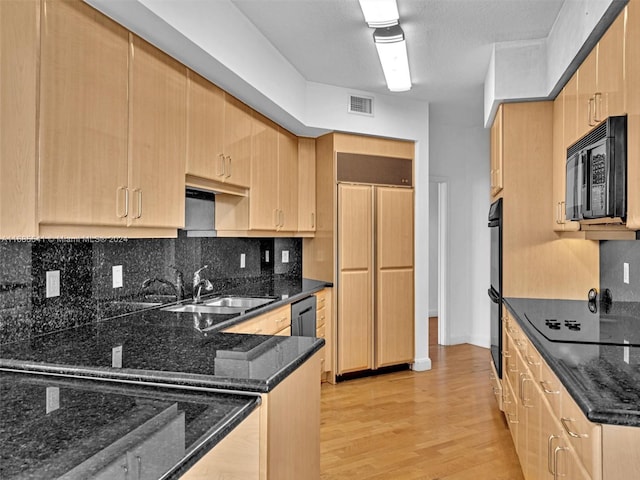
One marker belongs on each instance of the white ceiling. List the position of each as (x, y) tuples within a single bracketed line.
[(449, 41)]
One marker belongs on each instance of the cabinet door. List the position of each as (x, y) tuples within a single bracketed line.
[(355, 243), (287, 181), (394, 324), (263, 203), (19, 47), (306, 185), (632, 59), (158, 114), (205, 136), (587, 85), (571, 111), (496, 154), (609, 96), (83, 116), (237, 142)]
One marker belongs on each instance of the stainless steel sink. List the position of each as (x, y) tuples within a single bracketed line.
[(202, 308), (244, 303), (221, 305)]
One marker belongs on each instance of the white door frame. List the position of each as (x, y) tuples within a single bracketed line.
[(443, 257)]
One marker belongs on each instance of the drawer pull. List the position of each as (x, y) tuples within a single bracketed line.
[(281, 319), (550, 464), (564, 421), (555, 462), (546, 390), (530, 360)]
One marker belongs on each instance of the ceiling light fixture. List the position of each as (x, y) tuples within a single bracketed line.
[(380, 13), (392, 51), (390, 42)]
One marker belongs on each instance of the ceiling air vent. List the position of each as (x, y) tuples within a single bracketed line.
[(361, 105)]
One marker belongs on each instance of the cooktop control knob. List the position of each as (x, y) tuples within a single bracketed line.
[(592, 295)]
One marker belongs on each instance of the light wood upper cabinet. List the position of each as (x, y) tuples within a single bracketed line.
[(83, 116), (632, 94), (306, 185), (157, 137), (219, 137), (287, 181), (205, 137), (19, 47), (263, 205), (273, 204), (601, 79), (496, 154)]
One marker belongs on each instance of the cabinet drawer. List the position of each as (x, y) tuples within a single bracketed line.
[(267, 324), (321, 300), (584, 436), (285, 332), (551, 388), (320, 331), (496, 386), (321, 318)]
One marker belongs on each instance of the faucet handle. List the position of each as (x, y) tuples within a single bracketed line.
[(197, 272), (196, 275)]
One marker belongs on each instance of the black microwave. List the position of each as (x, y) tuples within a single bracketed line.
[(597, 173)]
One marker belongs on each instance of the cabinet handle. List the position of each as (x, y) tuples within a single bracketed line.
[(126, 471), (220, 169), (275, 217), (550, 464), (496, 390), (139, 466), (558, 209), (590, 111), (228, 174), (281, 319), (281, 217), (564, 421), (138, 191), (313, 220), (530, 361), (126, 201), (546, 390), (256, 331), (509, 418), (596, 111), (555, 462)]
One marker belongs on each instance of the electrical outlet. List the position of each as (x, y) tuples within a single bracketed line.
[(116, 357), (243, 260), (52, 402), (53, 283), (266, 256), (285, 256), (116, 272), (625, 354), (625, 274)]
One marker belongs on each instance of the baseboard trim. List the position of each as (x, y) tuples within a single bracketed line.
[(421, 364), (433, 313)]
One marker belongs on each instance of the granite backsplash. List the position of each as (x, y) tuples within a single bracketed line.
[(86, 275), (613, 255)]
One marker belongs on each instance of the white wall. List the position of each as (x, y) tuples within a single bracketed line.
[(459, 151), (433, 249)]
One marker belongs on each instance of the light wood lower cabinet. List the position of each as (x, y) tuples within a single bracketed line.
[(324, 329), (290, 426), (236, 457), (275, 322), (553, 437)]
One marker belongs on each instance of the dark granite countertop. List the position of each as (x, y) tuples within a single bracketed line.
[(177, 349), (52, 426), (597, 360)]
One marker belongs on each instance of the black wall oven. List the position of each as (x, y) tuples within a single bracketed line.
[(495, 288)]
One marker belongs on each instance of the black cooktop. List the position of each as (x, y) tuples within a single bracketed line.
[(572, 321)]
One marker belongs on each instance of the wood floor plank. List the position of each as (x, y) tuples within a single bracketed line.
[(443, 424)]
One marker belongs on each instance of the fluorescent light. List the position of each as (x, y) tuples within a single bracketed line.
[(380, 13), (392, 51)]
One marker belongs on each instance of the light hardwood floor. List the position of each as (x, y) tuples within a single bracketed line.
[(442, 424)]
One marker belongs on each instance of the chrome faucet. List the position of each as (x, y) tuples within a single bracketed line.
[(177, 287), (198, 283)]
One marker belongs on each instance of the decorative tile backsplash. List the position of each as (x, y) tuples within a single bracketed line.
[(86, 275), (613, 255)]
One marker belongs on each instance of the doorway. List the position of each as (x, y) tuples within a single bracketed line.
[(438, 259)]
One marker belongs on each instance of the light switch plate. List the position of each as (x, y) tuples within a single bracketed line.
[(266, 256), (285, 256), (243, 260), (52, 402), (116, 357), (625, 352), (117, 276), (53, 283)]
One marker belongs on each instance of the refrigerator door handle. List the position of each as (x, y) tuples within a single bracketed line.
[(493, 295)]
